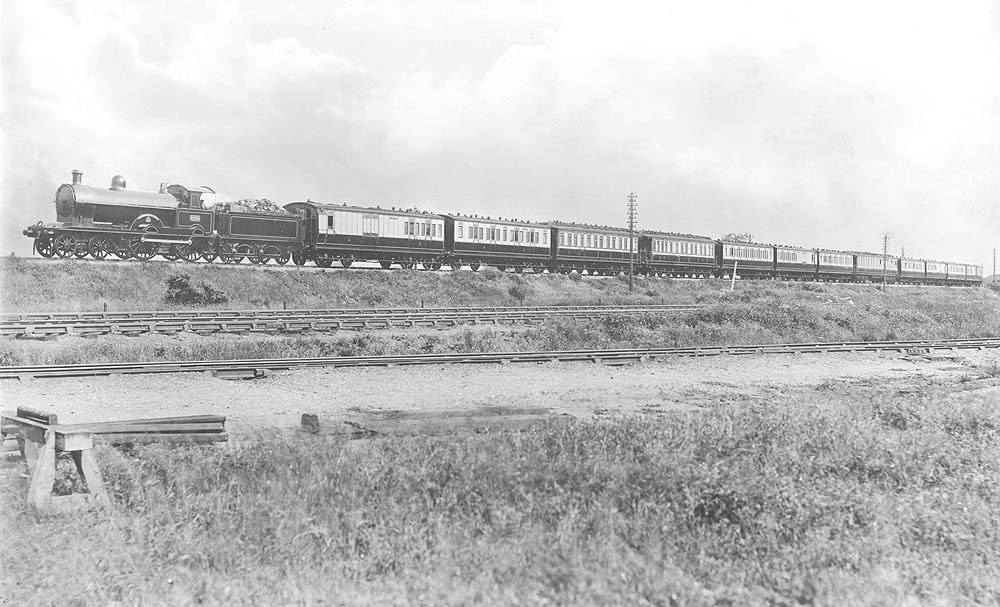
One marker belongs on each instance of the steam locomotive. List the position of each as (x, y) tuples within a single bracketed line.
[(177, 223)]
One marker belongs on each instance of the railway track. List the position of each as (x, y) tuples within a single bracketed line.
[(90, 324), (253, 368)]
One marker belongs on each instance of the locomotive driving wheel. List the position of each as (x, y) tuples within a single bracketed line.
[(65, 245), (142, 250), (44, 247), (99, 247)]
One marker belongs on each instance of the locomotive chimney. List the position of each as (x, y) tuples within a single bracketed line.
[(77, 177)]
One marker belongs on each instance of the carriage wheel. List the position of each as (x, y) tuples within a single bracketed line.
[(407, 265), (346, 262), (65, 245), (282, 257), (433, 266), (171, 253), (209, 255), (142, 250), (519, 269), (43, 246), (99, 247), (188, 252), (324, 262), (385, 264), (474, 266)]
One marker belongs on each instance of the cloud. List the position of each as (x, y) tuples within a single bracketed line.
[(822, 124)]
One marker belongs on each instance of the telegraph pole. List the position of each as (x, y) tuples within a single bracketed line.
[(631, 239), (885, 259)]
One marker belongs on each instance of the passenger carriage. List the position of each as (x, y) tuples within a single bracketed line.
[(503, 243), (936, 272), (868, 267), (346, 234), (912, 271), (599, 250), (834, 266), (747, 259), (795, 263), (673, 254)]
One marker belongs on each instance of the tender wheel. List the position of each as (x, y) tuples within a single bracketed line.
[(346, 261), (43, 246), (65, 245), (228, 255), (188, 252), (99, 247), (282, 257), (171, 253), (385, 264)]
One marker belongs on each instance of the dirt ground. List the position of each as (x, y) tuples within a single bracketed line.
[(579, 389)]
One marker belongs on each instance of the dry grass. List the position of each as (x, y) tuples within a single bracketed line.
[(839, 499)]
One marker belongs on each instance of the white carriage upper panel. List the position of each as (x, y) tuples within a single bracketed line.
[(384, 223), (747, 252), (835, 259), (796, 255), (478, 230)]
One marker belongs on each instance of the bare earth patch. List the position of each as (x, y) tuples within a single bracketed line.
[(580, 389)]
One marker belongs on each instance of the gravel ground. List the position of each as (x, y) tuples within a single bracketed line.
[(580, 389)]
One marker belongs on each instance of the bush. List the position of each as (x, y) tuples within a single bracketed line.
[(180, 291)]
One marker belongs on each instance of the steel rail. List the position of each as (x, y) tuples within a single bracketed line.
[(613, 357), (43, 325)]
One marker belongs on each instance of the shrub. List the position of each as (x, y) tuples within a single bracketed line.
[(180, 291)]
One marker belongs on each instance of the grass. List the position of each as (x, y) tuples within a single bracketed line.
[(758, 313), (841, 498)]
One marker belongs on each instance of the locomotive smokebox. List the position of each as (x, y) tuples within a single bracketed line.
[(77, 177)]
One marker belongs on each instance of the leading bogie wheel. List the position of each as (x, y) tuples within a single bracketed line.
[(43, 246)]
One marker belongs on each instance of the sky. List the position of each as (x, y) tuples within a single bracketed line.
[(819, 124)]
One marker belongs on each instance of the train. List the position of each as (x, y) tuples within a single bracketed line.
[(179, 223)]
